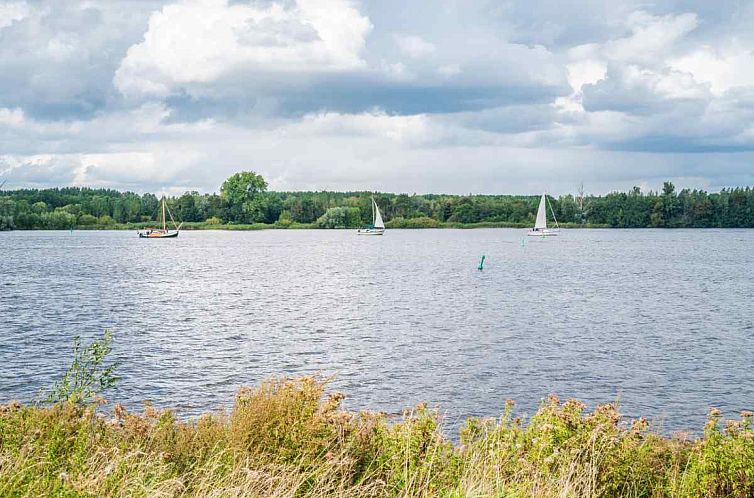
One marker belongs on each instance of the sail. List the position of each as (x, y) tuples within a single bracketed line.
[(541, 214), (378, 223)]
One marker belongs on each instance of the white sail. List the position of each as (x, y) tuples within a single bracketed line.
[(541, 214), (378, 223)]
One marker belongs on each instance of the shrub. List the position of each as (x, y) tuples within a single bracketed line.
[(340, 217), (87, 219), (421, 222), (87, 375), (290, 438)]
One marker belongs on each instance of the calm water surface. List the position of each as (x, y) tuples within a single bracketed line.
[(661, 320)]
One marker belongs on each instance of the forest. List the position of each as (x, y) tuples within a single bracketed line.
[(245, 200)]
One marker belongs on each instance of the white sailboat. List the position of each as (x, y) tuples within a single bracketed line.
[(378, 226), (162, 233), (540, 226)]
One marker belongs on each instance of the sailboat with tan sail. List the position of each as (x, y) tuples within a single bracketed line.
[(162, 233)]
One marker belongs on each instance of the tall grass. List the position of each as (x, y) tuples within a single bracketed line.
[(289, 438)]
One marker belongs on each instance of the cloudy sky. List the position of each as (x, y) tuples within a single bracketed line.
[(452, 96)]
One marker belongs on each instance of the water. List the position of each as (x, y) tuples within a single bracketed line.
[(660, 320)]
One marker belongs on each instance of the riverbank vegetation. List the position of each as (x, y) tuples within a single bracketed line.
[(245, 203), (292, 438)]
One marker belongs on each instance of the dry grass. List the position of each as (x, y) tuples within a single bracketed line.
[(288, 438)]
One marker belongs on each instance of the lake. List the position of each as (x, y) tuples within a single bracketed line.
[(661, 320)]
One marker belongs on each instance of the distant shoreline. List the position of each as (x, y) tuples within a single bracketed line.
[(302, 226)]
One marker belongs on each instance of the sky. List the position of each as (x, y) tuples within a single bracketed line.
[(455, 96)]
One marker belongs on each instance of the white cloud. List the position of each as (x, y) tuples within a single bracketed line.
[(584, 72), (652, 37), (448, 70), (11, 117), (414, 46), (12, 11), (200, 41), (726, 67)]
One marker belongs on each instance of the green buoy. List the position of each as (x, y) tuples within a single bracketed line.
[(481, 263)]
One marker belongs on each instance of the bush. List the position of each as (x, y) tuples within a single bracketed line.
[(213, 221), (7, 223), (421, 222), (87, 219), (284, 220), (290, 438), (87, 376), (59, 220), (340, 217)]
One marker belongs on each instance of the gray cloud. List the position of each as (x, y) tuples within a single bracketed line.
[(454, 96)]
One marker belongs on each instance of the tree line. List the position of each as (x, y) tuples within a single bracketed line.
[(244, 199)]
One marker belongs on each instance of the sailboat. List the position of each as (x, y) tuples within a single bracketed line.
[(162, 233), (540, 226), (378, 226)]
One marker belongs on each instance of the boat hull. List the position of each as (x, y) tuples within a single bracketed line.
[(542, 233), (371, 231), (168, 235)]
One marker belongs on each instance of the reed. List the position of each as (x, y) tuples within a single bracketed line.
[(290, 438)]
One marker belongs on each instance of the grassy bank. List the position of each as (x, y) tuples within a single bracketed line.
[(289, 438)]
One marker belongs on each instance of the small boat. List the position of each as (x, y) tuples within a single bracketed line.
[(540, 226), (378, 226), (162, 233)]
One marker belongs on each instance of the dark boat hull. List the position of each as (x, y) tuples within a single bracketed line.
[(169, 235)]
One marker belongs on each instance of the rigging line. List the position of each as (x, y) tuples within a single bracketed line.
[(171, 216), (553, 214)]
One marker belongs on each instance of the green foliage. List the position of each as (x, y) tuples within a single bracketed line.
[(340, 217), (87, 376), (244, 200), (243, 193), (421, 222), (284, 220), (7, 223), (290, 438), (87, 219)]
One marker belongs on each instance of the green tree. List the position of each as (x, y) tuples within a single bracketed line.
[(242, 192), (340, 217)]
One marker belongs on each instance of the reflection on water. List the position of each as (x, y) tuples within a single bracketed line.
[(661, 320)]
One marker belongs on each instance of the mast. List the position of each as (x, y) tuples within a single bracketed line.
[(164, 225)]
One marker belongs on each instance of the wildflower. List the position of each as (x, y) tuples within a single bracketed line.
[(732, 426), (746, 414), (639, 424), (714, 413), (553, 399), (149, 410), (574, 404), (120, 411)]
